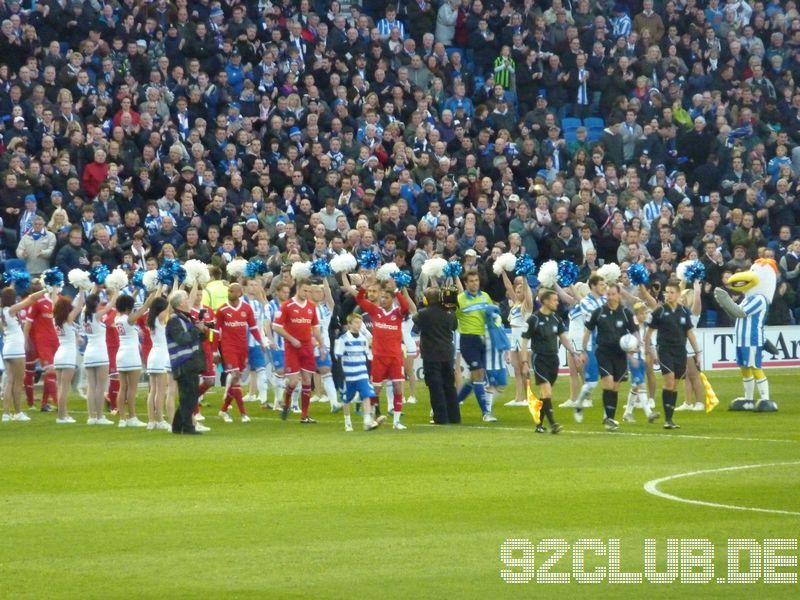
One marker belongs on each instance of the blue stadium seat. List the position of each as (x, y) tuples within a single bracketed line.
[(594, 123), (570, 123)]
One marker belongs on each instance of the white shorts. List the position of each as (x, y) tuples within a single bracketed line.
[(409, 342), (66, 358), (127, 360), (517, 340), (13, 347)]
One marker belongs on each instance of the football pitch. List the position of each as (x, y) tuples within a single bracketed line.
[(275, 509)]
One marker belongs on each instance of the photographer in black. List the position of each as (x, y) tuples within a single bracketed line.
[(186, 358), (436, 323)]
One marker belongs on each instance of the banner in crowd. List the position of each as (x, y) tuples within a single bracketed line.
[(719, 350)]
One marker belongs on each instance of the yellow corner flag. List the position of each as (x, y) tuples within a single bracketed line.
[(535, 406), (711, 397)]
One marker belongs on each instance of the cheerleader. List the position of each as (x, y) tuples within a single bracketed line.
[(572, 298), (14, 351), (65, 315), (129, 357), (158, 365), (521, 308), (95, 358), (694, 387)]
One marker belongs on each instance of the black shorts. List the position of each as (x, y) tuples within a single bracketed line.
[(612, 364), (545, 368), (673, 360)]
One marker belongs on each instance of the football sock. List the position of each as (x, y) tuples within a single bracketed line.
[(330, 389), (610, 399), (28, 381), (668, 399), (397, 404), (586, 391), (305, 399), (480, 395), (763, 388), (236, 393), (547, 409), (287, 394), (749, 388), (262, 385), (630, 403), (464, 392), (489, 400), (113, 392), (645, 403)]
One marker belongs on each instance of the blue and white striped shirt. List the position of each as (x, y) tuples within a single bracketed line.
[(260, 314), (272, 312), (652, 210), (588, 305), (621, 26), (353, 352), (749, 331), (385, 27)]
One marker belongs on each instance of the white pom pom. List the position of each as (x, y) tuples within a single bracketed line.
[(434, 267), (548, 274), (680, 270), (116, 280), (610, 272), (301, 270), (236, 268), (80, 279), (504, 262), (344, 263), (196, 270), (150, 280), (385, 271)]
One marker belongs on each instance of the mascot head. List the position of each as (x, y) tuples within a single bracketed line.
[(762, 278)]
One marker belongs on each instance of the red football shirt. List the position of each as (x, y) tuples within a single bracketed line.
[(233, 323), (40, 316), (112, 333), (298, 320), (210, 340), (387, 325)]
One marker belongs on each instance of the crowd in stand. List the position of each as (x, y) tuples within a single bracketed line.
[(650, 132)]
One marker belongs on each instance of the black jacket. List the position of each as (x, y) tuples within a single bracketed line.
[(436, 326)]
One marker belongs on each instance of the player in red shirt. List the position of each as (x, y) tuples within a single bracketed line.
[(298, 324), (40, 332), (234, 319), (112, 342), (387, 340)]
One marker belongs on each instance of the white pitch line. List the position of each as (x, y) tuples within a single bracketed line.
[(651, 487)]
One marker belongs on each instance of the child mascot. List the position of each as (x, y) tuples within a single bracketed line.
[(758, 286)]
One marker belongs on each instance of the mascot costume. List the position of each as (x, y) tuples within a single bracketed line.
[(758, 286)]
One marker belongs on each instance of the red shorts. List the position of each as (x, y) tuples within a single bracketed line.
[(387, 368), (299, 359), (234, 359), (46, 351), (211, 368)]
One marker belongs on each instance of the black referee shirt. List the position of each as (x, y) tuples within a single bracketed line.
[(543, 331), (672, 325), (611, 325)]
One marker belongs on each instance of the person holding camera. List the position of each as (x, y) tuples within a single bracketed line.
[(184, 335), (436, 325)]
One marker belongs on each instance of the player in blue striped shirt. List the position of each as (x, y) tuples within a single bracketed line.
[(352, 349), (591, 374)]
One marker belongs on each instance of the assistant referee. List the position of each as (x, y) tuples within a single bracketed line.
[(611, 321), (544, 330), (673, 322)]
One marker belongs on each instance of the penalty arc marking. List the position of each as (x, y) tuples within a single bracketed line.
[(651, 487)]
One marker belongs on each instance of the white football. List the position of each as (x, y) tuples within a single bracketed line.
[(629, 343)]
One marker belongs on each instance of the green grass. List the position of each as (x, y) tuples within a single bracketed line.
[(280, 510)]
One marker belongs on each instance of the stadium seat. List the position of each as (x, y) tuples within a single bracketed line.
[(570, 123), (594, 123)]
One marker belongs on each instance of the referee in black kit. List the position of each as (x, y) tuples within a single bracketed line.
[(612, 321), (673, 322), (436, 325), (544, 330)]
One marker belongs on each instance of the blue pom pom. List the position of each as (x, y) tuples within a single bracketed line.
[(453, 269), (21, 280), (98, 274), (53, 277), (255, 267), (179, 273), (524, 266), (138, 279), (402, 279), (165, 275), (369, 260), (321, 268), (567, 273), (638, 274), (696, 271), (533, 281)]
